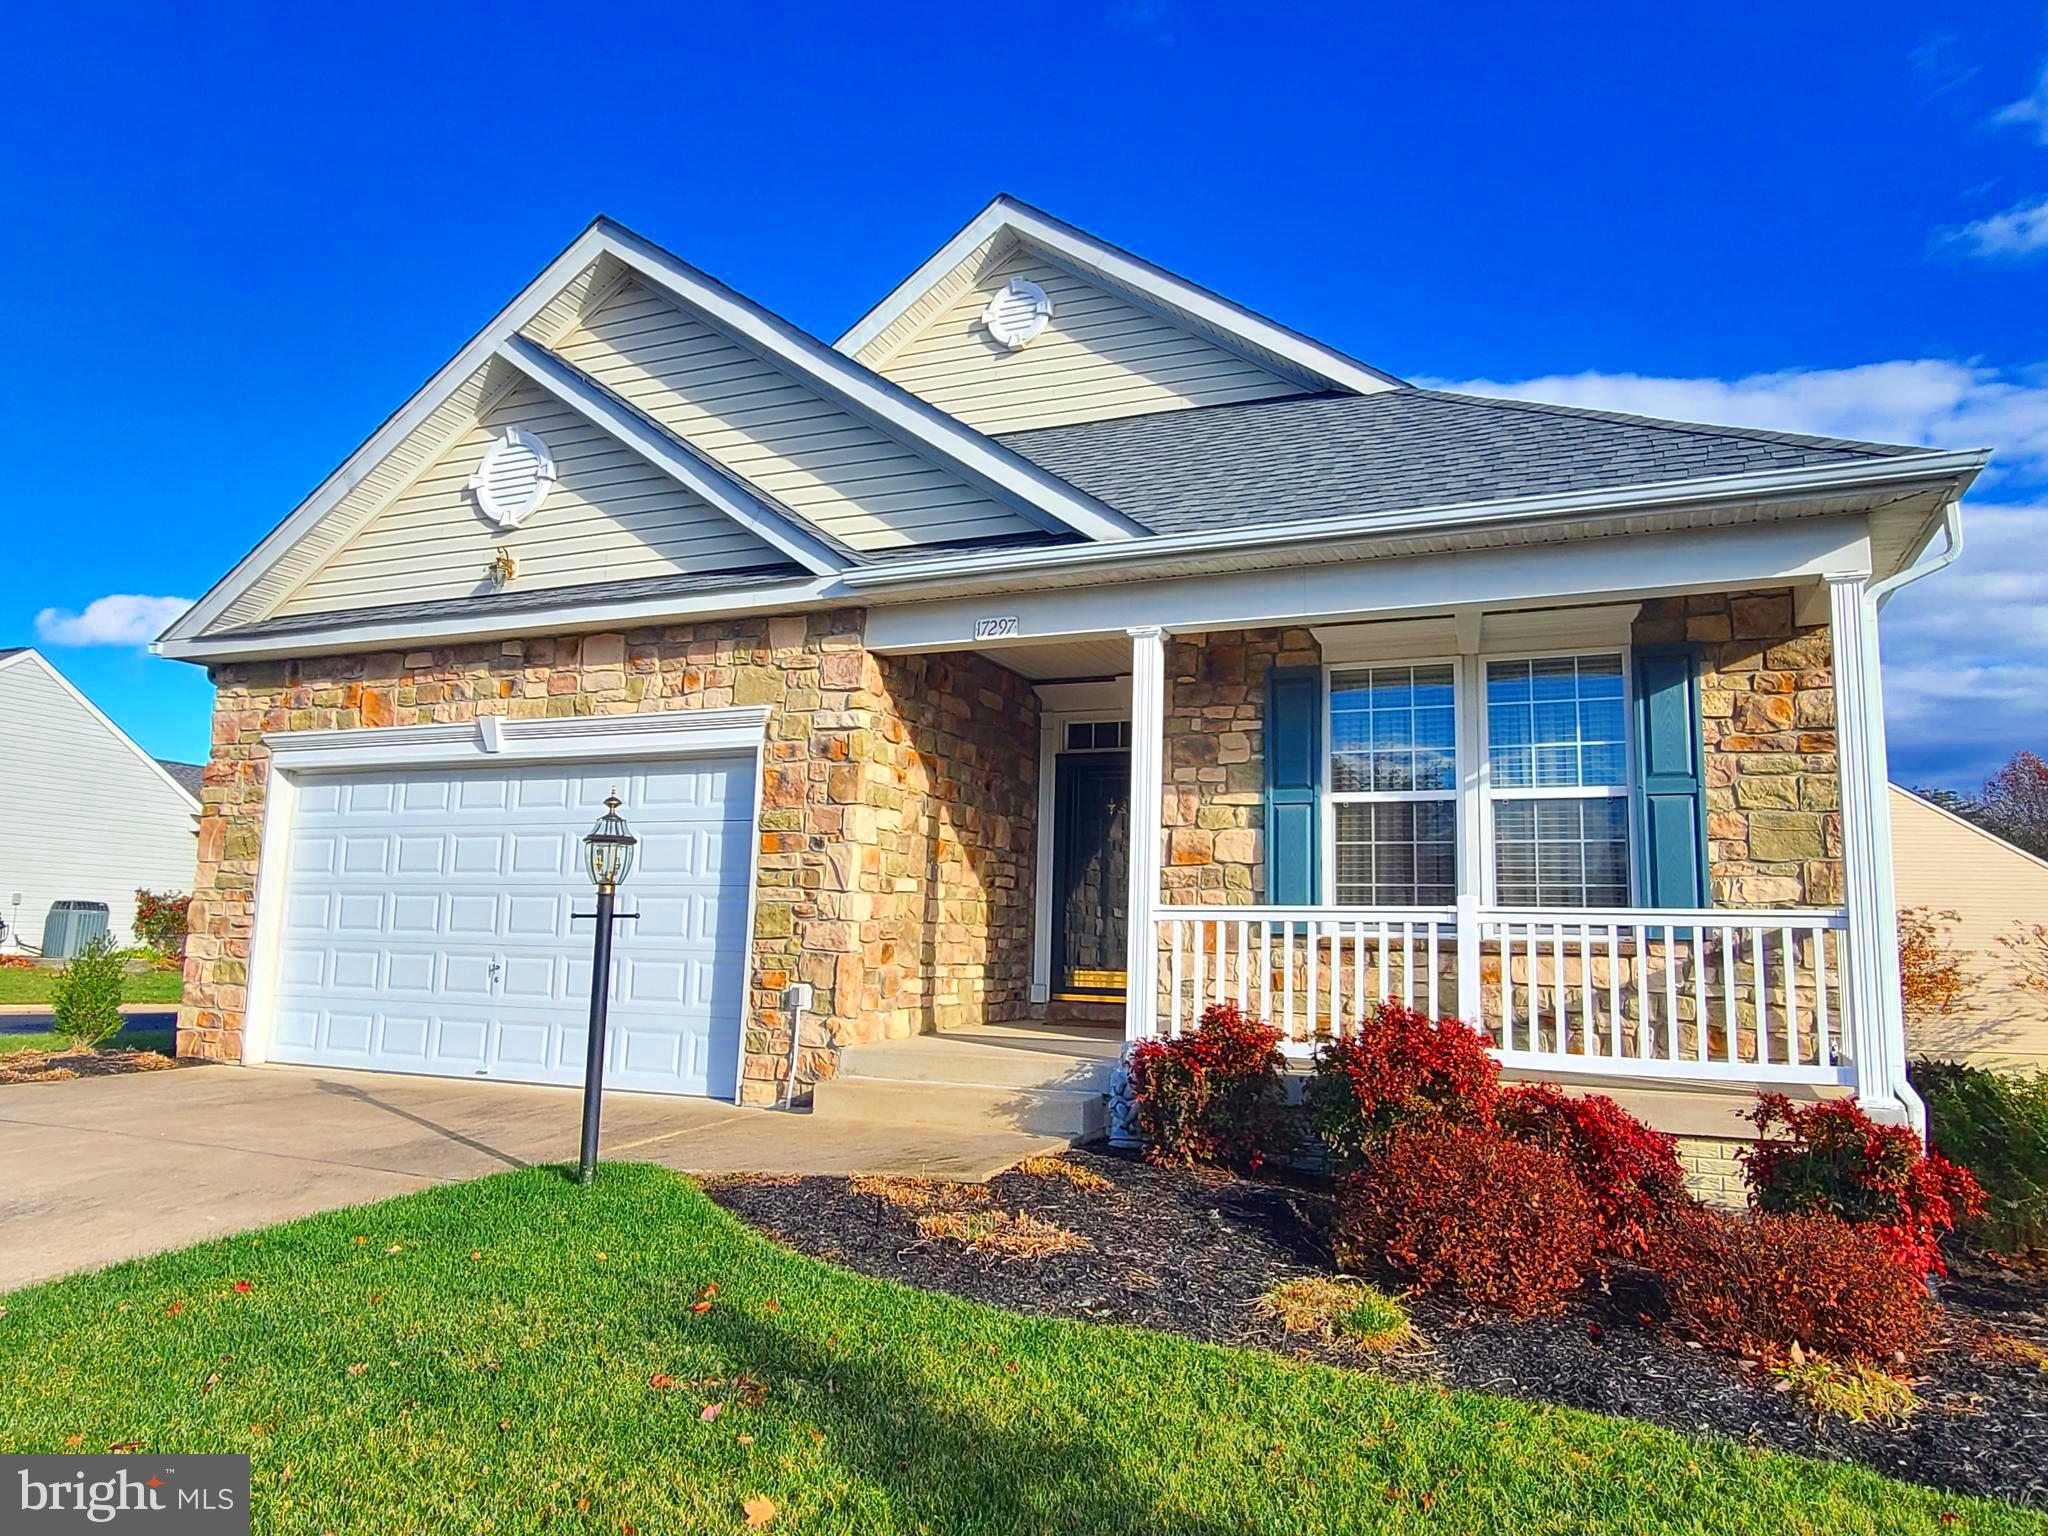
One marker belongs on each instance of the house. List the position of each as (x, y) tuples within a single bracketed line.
[(85, 814), (1065, 643), (1981, 891)]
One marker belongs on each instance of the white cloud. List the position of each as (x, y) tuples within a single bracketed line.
[(1936, 401), (2021, 230), (2030, 110), (121, 619), (1966, 652)]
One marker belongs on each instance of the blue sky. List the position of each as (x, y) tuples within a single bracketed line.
[(239, 238)]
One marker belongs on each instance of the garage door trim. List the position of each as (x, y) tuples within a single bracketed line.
[(490, 741)]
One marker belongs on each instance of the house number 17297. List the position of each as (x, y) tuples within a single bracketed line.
[(995, 629)]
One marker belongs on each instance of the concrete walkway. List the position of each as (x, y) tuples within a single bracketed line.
[(109, 1168)]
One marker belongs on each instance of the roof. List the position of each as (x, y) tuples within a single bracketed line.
[(190, 776), (11, 650), (1284, 460)]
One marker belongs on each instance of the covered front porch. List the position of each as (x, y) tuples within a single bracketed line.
[(1626, 814)]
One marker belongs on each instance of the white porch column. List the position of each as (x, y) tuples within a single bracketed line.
[(1871, 991), (1148, 778)]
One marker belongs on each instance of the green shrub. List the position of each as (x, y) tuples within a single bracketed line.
[(86, 997), (1996, 1125)]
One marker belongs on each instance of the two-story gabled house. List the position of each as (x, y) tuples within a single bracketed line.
[(1065, 643)]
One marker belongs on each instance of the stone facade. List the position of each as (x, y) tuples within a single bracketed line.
[(1774, 824), (1711, 1171), (1215, 795), (896, 815)]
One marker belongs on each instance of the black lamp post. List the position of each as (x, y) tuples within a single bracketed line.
[(608, 855)]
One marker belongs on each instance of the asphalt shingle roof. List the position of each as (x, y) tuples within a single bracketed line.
[(190, 776), (1318, 455)]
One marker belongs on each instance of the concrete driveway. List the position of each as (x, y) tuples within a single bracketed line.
[(100, 1169)]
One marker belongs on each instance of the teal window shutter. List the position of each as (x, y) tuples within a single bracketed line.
[(1294, 777), (1671, 789)]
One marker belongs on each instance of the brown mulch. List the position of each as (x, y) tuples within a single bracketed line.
[(1192, 1253), (62, 1066)]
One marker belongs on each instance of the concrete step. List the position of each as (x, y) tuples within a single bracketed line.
[(967, 1109)]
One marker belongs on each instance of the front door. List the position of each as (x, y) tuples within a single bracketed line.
[(1091, 873)]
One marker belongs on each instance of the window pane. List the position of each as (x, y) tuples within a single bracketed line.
[(1574, 723), (1396, 853), (1433, 687), (1507, 682), (1561, 853)]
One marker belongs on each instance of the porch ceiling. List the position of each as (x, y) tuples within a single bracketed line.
[(1099, 656)]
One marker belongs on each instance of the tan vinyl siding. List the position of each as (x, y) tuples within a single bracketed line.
[(1100, 356), (83, 817), (611, 516), (1943, 864), (844, 476)]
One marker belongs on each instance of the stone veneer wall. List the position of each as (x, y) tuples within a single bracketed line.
[(1215, 794), (1774, 824), (865, 760)]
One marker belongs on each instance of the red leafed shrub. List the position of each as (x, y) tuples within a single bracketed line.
[(1758, 1284), (1401, 1066), (160, 919), (1500, 1221), (1833, 1159), (1213, 1096), (1630, 1171)]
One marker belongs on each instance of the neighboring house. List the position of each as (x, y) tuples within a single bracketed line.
[(1067, 640), (1946, 864), (85, 814)]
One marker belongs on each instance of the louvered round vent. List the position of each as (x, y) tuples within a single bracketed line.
[(513, 478), (1018, 313)]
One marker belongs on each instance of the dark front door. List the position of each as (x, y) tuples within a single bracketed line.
[(1091, 872)]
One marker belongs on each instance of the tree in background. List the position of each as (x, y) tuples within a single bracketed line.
[(160, 922), (1931, 975), (2014, 804)]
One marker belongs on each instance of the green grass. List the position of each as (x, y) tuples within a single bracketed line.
[(33, 986), (479, 1357), (160, 1040)]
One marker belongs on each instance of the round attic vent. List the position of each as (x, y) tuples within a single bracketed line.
[(513, 478), (1018, 313)]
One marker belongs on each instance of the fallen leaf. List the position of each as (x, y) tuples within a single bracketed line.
[(583, 1506), (708, 1292), (73, 1442), (212, 1381), (357, 1369), (174, 1309), (700, 1306), (661, 1381), (123, 1447), (475, 1254), (243, 1287), (360, 1240), (396, 1248), (772, 1304), (746, 1439), (759, 1511), (817, 1437), (711, 1411), (504, 1423), (602, 1256), (627, 1528)]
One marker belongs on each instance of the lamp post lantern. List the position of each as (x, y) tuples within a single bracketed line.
[(608, 856)]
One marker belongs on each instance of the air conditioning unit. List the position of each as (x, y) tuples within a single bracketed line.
[(71, 925)]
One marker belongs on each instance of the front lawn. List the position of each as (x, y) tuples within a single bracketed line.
[(18, 985), (515, 1354), (162, 1041)]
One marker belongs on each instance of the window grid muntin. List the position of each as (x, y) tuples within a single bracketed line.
[(1391, 779), (1542, 857)]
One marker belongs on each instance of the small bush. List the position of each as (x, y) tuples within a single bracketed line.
[(1213, 1096), (1854, 1390), (1996, 1125), (1018, 1236), (1759, 1284), (920, 1194), (160, 920), (1052, 1166), (86, 997), (1346, 1312), (1630, 1172), (1468, 1208), (1402, 1066), (1833, 1159)]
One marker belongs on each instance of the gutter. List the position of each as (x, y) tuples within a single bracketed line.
[(1457, 515)]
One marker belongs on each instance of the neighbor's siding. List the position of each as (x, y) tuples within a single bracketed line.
[(1947, 866), (782, 436), (82, 817), (1099, 357), (611, 516)]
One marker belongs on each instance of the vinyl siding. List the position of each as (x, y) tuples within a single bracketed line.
[(1945, 865), (611, 516), (1100, 356), (83, 817), (846, 477)]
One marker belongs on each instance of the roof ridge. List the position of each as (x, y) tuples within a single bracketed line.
[(1213, 407), (1672, 424)]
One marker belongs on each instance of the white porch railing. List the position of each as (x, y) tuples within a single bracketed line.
[(1754, 996)]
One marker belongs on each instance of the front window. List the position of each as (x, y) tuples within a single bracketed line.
[(1557, 761), (1393, 785)]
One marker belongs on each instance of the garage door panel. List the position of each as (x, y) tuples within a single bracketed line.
[(428, 924)]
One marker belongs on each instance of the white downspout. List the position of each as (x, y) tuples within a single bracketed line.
[(1874, 597)]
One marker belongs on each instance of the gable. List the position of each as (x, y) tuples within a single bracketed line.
[(840, 473), (610, 516), (1100, 355)]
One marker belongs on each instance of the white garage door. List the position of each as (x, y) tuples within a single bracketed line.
[(426, 924)]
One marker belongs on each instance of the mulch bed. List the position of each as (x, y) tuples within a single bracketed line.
[(1191, 1252), (62, 1066)]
